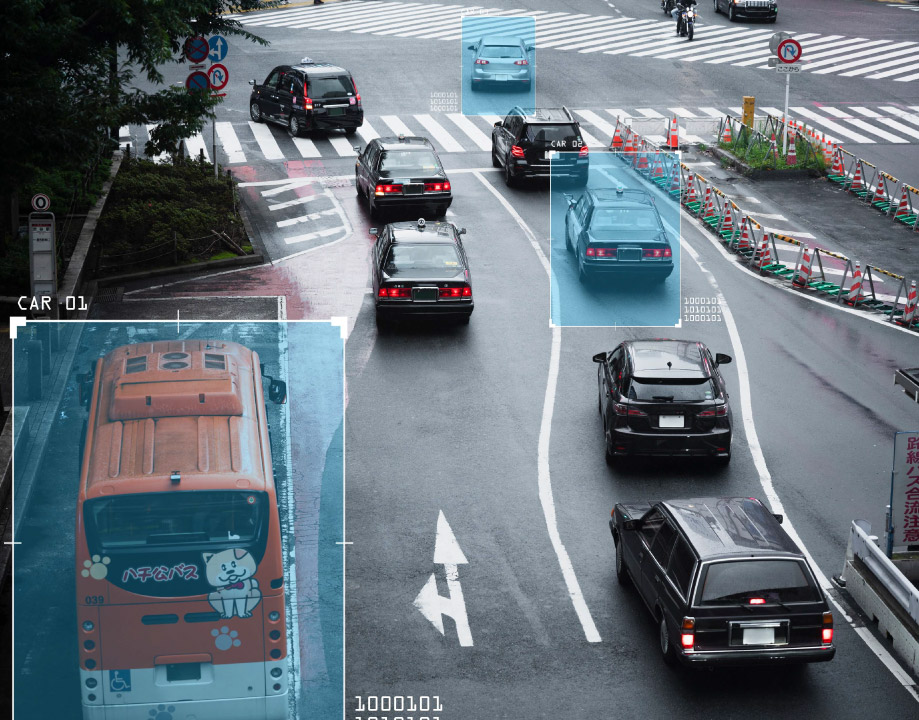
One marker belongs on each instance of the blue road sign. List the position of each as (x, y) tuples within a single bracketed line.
[(196, 49), (218, 46), (197, 81)]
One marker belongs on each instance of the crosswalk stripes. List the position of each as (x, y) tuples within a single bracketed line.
[(736, 44), (452, 133)]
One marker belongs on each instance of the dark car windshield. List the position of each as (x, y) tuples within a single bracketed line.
[(408, 258), (625, 219), (671, 390), (509, 52), (330, 86), (558, 136), (783, 581), (409, 161)]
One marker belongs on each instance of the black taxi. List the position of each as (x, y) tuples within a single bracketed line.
[(402, 173), (421, 268), (724, 582)]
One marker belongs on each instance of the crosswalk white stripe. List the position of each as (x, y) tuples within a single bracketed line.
[(899, 127), (472, 132), (703, 50), (615, 27), (867, 127), (672, 41), (746, 51), (775, 112), (382, 17), (840, 51), (342, 145), (567, 29), (914, 107), (914, 119), (428, 21), (869, 67), (595, 42), (396, 125), (195, 145), (835, 63), (437, 131), (618, 113), (422, 29), (591, 140), (399, 21), (657, 139), (830, 125), (309, 236), (306, 218), (306, 147), (867, 112), (888, 73), (908, 78), (492, 119), (367, 132), (353, 19), (736, 111), (598, 122), (230, 143), (869, 58), (682, 112), (313, 16), (524, 26), (459, 29), (266, 142), (712, 112), (625, 40), (649, 113), (281, 19)]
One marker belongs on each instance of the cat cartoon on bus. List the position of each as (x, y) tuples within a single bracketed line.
[(232, 573)]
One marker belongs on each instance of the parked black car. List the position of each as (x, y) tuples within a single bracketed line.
[(308, 96), (724, 581), (664, 397), (766, 9), (617, 233), (421, 268), (403, 173), (540, 143)]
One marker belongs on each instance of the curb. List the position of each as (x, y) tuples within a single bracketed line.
[(109, 280)]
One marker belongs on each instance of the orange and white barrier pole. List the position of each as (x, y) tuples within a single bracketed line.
[(803, 275), (855, 291), (909, 311)]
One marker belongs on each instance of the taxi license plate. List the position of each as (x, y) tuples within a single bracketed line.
[(424, 294), (632, 254), (336, 111), (671, 421), (759, 636)]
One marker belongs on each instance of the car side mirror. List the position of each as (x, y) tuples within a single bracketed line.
[(600, 357), (779, 517), (462, 231), (498, 124), (252, 82), (374, 232), (277, 389), (569, 197), (722, 359), (471, 47), (631, 525), (357, 149), (530, 48)]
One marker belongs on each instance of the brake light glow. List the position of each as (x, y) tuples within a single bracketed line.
[(688, 634), (480, 61), (307, 103), (517, 151), (583, 151), (521, 62), (388, 190), (757, 601), (395, 292), (356, 93), (455, 292), (621, 409), (592, 251), (437, 187), (827, 633), (657, 253), (719, 411)]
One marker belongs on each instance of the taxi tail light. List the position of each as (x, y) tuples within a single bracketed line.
[(688, 633), (437, 187), (395, 292), (521, 62), (461, 291), (583, 151), (307, 102), (622, 409), (480, 61), (516, 151), (827, 634), (593, 251), (382, 189)]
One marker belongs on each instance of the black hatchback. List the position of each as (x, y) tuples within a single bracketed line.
[(664, 397), (402, 173), (308, 96), (421, 268), (724, 581)]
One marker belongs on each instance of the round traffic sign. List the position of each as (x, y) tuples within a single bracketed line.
[(197, 49), (197, 81), (776, 39), (41, 202), (218, 76), (789, 51)]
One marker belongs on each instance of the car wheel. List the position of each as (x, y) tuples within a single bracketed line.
[(255, 112), (357, 185), (715, 2), (509, 179), (667, 651), (372, 209), (350, 131), (690, 31), (731, 14), (622, 575), (611, 459), (293, 126)]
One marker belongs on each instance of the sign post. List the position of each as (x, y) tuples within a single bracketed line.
[(42, 253), (788, 51), (903, 523)]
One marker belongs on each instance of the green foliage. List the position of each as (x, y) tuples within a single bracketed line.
[(14, 266), (757, 152)]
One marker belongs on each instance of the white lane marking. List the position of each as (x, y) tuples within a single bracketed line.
[(768, 216), (342, 145), (230, 143), (266, 142), (309, 217), (765, 477), (544, 476), (297, 201), (306, 147), (472, 132), (367, 132), (196, 146), (309, 236), (440, 135), (396, 125), (796, 234)]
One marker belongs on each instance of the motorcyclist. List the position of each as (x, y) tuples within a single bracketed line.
[(677, 14)]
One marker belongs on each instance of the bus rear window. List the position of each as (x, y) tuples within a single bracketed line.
[(735, 582), (175, 518)]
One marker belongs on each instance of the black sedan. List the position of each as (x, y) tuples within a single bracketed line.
[(402, 173), (421, 268), (664, 397), (617, 232), (765, 9)]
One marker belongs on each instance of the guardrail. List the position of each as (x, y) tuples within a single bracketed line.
[(862, 545)]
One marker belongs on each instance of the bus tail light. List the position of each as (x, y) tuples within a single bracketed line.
[(688, 633), (827, 633)]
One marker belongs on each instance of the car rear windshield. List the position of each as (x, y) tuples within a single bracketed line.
[(507, 52), (403, 258), (625, 219), (174, 518), (330, 86), (695, 390), (558, 136), (783, 581), (397, 162)]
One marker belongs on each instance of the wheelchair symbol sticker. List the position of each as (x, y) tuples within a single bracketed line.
[(119, 680)]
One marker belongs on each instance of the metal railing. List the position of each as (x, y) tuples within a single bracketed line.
[(862, 545)]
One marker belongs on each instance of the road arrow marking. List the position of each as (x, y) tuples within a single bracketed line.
[(429, 602)]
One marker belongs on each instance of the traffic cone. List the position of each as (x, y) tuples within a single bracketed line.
[(674, 143), (827, 152), (903, 205), (792, 159), (803, 275), (764, 254), (791, 130), (675, 180), (708, 207), (909, 310), (775, 149), (642, 165), (838, 168), (691, 196), (629, 141), (726, 136), (856, 295), (727, 222), (743, 245), (880, 193), (657, 171), (857, 183), (616, 144)]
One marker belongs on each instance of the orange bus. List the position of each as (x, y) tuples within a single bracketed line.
[(179, 570)]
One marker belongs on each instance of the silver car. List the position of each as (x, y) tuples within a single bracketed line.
[(501, 61)]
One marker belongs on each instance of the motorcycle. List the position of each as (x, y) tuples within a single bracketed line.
[(686, 22), (667, 6)]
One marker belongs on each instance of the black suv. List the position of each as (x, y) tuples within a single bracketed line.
[(529, 139), (724, 581), (402, 173), (617, 232), (308, 96), (664, 397)]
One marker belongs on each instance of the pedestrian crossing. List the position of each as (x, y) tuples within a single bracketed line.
[(578, 32), (245, 142)]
